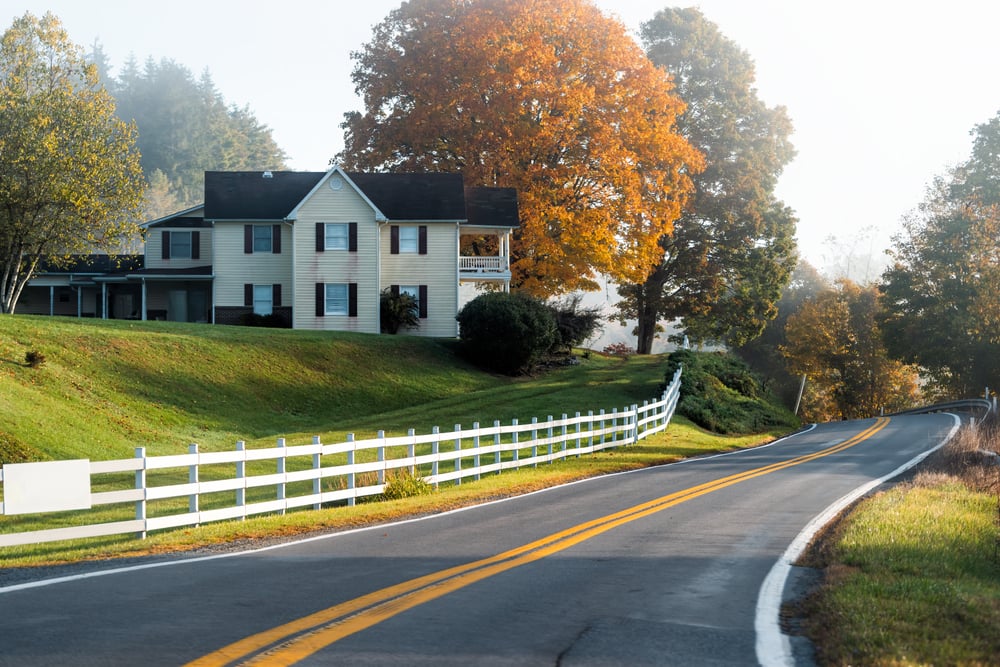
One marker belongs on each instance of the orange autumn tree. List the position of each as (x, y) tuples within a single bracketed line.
[(549, 97)]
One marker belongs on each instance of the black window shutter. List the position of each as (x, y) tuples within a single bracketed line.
[(423, 239), (320, 299), (248, 294), (195, 245), (423, 301), (352, 299), (248, 239), (275, 295), (352, 237), (166, 245), (394, 239), (394, 290), (320, 236), (276, 239)]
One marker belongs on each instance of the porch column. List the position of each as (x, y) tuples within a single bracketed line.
[(52, 300), (104, 301), (143, 318), (79, 301)]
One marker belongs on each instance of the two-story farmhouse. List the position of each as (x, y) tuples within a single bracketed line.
[(313, 248)]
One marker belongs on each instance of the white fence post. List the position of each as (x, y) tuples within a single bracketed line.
[(590, 429), (193, 479), (534, 440), (380, 475), (435, 450), (578, 443), (475, 445), (140, 483), (458, 459), (317, 480), (241, 473), (282, 460), (635, 423), (614, 426), (565, 432), (602, 428), (411, 450), (550, 438), (515, 439), (496, 441), (351, 476)]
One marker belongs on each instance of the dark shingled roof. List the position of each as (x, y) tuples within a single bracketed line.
[(423, 197), (492, 207), (247, 195), (91, 264)]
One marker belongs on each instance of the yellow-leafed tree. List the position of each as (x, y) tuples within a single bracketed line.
[(70, 178), (552, 98)]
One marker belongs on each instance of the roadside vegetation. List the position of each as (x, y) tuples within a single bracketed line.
[(109, 386), (912, 574)]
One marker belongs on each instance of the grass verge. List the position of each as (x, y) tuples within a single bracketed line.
[(912, 574)]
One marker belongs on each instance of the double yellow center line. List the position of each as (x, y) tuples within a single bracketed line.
[(294, 641)]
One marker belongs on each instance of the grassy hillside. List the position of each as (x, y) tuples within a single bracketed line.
[(109, 386)]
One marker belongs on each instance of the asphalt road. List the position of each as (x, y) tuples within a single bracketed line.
[(662, 566)]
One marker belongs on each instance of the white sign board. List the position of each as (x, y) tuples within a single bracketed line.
[(49, 486)]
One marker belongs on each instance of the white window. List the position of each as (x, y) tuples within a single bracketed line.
[(263, 296), (409, 239), (180, 245), (337, 236), (262, 238), (337, 300)]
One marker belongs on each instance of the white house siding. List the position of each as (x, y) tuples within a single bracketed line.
[(336, 266), (438, 269), (233, 268), (154, 249)]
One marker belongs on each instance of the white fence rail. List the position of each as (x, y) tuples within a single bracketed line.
[(351, 470)]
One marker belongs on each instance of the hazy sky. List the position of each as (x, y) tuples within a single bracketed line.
[(882, 93)]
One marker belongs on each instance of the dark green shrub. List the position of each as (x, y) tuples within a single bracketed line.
[(506, 333), (574, 324), (397, 311), (721, 394)]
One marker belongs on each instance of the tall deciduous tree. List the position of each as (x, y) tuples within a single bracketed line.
[(70, 179), (732, 251), (551, 98), (835, 340), (941, 294)]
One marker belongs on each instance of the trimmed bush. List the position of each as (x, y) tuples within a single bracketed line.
[(506, 333)]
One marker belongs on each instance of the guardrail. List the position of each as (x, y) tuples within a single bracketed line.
[(980, 406), (234, 485)]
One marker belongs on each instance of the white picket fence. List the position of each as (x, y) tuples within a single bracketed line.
[(354, 468)]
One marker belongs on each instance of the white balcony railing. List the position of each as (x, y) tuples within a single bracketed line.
[(483, 264)]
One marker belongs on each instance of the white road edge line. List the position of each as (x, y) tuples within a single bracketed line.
[(774, 649), (201, 559)]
